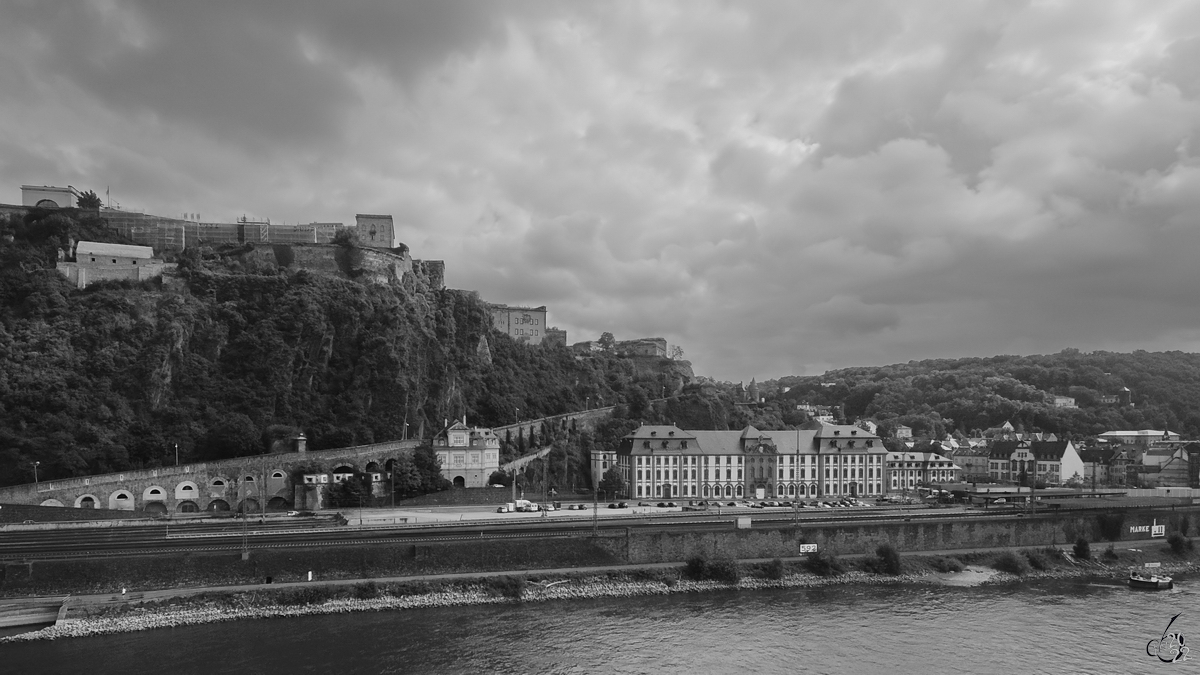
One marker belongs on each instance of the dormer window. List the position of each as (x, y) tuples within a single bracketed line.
[(832, 443), (684, 445), (653, 433), (837, 432), (670, 433), (664, 444), (646, 444)]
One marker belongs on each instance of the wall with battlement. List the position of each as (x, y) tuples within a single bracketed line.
[(208, 486)]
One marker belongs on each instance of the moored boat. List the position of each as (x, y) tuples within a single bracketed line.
[(1150, 582)]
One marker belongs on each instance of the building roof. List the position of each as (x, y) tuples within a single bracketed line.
[(1049, 450), (119, 250), (747, 440)]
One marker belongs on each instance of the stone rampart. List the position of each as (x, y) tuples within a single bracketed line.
[(232, 484), (368, 265)]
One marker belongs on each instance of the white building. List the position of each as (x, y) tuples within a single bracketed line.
[(469, 455)]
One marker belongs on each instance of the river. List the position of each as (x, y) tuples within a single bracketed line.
[(1070, 626)]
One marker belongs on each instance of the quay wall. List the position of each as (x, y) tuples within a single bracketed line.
[(783, 540)]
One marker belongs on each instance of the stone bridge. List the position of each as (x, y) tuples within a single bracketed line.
[(586, 419), (243, 484)]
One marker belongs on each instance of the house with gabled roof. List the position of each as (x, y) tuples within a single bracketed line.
[(1052, 462)]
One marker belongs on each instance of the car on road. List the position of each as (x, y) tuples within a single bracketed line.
[(671, 505), (612, 506)]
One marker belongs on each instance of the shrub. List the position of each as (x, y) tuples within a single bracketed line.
[(506, 586), (1010, 562), (366, 590), (1184, 525), (947, 565), (774, 569), (726, 571), (887, 559), (824, 564), (1110, 553), (1037, 561), (696, 568), (1179, 544), (304, 595), (1082, 549)]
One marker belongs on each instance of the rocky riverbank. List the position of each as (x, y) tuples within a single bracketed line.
[(236, 607)]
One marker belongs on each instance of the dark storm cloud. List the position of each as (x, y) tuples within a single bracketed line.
[(779, 187)]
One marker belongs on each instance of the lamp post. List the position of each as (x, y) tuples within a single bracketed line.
[(176, 454), (35, 476)]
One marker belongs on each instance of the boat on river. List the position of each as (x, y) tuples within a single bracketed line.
[(1149, 582)]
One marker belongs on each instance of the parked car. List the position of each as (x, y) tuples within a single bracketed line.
[(622, 505), (645, 504), (671, 505), (612, 506)]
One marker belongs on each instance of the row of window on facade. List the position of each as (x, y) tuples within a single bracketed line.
[(759, 472), (781, 490), (691, 460)]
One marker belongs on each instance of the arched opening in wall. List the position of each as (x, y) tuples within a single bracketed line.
[(218, 505), (120, 501), (186, 490), (85, 502), (249, 505), (343, 473), (738, 492), (278, 475), (460, 482), (388, 465), (728, 490), (278, 504), (51, 502), (372, 467), (47, 204), (156, 508), (217, 483), (187, 507), (154, 493)]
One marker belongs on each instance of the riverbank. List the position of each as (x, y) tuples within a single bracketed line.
[(957, 570)]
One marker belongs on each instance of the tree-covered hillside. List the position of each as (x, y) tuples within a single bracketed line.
[(946, 395), (233, 356)]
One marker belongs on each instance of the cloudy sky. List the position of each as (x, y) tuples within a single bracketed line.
[(778, 187)]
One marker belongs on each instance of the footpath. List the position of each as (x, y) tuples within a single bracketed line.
[(74, 604)]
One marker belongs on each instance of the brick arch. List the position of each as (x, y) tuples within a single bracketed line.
[(79, 502), (187, 490), (121, 500)]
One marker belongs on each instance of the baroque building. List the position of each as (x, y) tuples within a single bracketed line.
[(664, 461)]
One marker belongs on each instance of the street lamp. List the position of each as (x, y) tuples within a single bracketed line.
[(35, 477)]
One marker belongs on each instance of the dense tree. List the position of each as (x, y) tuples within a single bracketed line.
[(88, 200), (612, 484)]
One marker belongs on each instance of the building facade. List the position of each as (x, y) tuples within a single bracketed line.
[(912, 468), (469, 455), (1052, 462), (663, 461), (49, 197), (523, 324), (98, 261)]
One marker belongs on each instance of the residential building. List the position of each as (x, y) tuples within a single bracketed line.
[(1176, 466), (1104, 465), (972, 463), (469, 455), (1062, 402), (908, 469), (903, 432), (664, 461), (601, 462), (1052, 462)]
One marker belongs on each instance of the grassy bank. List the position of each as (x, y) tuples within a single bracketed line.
[(697, 575)]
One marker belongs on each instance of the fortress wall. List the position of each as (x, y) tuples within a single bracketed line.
[(363, 264)]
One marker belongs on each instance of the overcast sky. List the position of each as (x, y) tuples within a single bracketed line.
[(779, 188)]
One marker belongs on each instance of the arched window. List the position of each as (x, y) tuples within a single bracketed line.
[(277, 474), (217, 482), (728, 491), (739, 491), (704, 491)]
